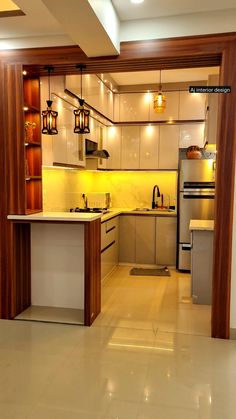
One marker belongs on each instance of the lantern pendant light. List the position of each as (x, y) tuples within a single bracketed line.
[(159, 103), (49, 116), (81, 114)]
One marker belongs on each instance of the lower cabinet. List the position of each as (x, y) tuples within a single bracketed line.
[(127, 239), (166, 229), (147, 240), (109, 245)]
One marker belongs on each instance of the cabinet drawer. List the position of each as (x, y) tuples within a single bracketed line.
[(108, 232), (109, 259)]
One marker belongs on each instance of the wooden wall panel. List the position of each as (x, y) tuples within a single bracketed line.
[(182, 52), (11, 176), (21, 286), (224, 197), (92, 271)]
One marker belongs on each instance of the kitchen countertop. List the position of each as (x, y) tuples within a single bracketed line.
[(56, 216), (201, 225), (87, 217)]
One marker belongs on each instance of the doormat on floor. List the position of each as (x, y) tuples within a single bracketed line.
[(150, 272)]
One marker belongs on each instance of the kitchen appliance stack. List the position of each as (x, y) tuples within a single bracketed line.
[(196, 201)]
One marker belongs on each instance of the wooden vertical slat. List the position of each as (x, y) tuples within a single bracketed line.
[(92, 239), (12, 183), (226, 138)]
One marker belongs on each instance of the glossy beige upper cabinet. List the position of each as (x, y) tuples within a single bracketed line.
[(130, 147), (171, 112), (191, 134), (169, 147), (149, 146), (192, 106), (134, 107), (113, 146)]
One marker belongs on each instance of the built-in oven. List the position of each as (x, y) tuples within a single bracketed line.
[(196, 201)]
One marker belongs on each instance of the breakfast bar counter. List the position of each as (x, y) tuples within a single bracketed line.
[(59, 275)]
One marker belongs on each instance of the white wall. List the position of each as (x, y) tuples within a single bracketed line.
[(233, 276), (183, 25)]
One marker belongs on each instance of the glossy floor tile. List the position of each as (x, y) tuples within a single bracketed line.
[(55, 371), (152, 303), (145, 357)]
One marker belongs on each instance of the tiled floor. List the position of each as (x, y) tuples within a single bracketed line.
[(152, 303), (119, 370)]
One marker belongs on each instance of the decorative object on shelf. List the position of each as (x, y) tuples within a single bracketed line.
[(29, 131), (81, 114), (159, 103), (193, 152), (49, 116)]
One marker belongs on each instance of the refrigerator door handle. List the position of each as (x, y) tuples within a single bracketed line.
[(186, 246), (195, 196)]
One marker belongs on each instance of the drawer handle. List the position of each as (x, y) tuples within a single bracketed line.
[(110, 229), (107, 247)]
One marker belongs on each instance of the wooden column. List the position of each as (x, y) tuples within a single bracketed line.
[(226, 138), (11, 178), (92, 249)]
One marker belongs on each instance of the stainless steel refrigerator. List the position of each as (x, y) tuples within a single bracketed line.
[(196, 201)]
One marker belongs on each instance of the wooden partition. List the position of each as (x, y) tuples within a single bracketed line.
[(195, 51)]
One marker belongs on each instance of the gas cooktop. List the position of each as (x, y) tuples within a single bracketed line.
[(90, 210)]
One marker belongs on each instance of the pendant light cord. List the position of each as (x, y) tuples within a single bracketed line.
[(81, 81), (49, 86)]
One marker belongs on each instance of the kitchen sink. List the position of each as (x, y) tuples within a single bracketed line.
[(154, 209)]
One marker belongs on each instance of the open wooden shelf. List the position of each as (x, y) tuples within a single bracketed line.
[(33, 149)]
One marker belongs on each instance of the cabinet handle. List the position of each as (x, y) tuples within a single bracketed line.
[(107, 247), (110, 229)]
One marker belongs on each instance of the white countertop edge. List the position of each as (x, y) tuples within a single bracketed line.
[(207, 225), (56, 216), (76, 217)]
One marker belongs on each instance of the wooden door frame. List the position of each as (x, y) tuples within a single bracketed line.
[(184, 52)]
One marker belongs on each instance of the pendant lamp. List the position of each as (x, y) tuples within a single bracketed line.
[(81, 114), (159, 103), (49, 116)]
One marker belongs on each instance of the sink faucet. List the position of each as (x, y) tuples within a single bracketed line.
[(153, 195), (85, 200)]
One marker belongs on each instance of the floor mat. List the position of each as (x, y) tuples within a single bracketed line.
[(150, 272)]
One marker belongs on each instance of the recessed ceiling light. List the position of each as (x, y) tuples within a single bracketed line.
[(137, 1)]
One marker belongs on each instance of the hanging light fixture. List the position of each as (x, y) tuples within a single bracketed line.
[(81, 114), (159, 103), (49, 116)]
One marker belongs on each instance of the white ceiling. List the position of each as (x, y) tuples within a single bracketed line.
[(153, 19), (167, 76), (150, 9)]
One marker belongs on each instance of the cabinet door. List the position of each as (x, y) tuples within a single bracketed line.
[(172, 108), (191, 134), (109, 242), (102, 163), (113, 146), (130, 147), (149, 147), (127, 239), (169, 147), (166, 237), (192, 106), (134, 107), (145, 240)]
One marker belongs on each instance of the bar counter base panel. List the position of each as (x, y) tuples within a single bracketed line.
[(52, 315)]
